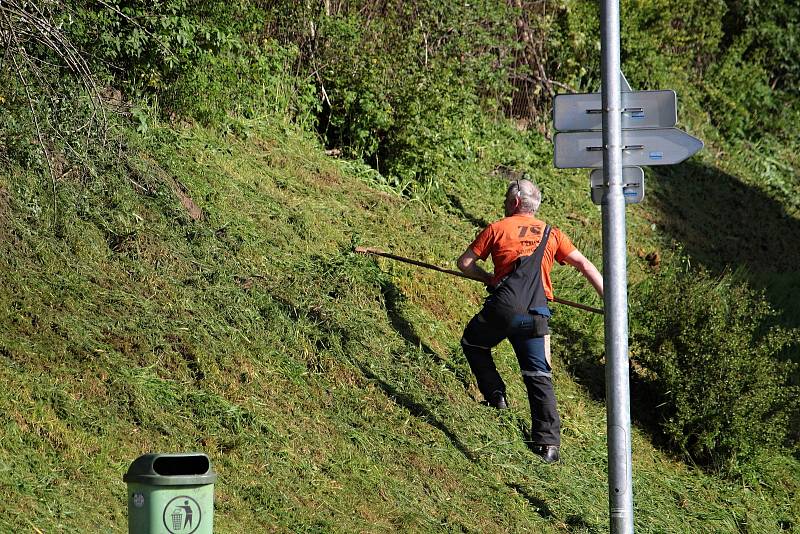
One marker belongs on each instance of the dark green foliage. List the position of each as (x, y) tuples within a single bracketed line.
[(149, 44), (204, 60), (659, 39), (773, 36), (738, 58), (253, 82), (744, 101), (16, 125), (50, 102), (404, 86), (755, 75), (722, 389), (740, 113), (354, 76)]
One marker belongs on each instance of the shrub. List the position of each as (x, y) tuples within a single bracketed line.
[(149, 44), (740, 101), (404, 85), (205, 60), (255, 81), (774, 35), (722, 387), (50, 101)]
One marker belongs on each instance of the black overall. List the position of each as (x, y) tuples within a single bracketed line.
[(517, 310)]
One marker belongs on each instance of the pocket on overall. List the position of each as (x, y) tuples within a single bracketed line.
[(541, 325), (541, 320)]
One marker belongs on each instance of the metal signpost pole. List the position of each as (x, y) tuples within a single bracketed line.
[(620, 498), (637, 128)]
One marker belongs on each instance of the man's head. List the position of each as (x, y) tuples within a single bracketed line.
[(522, 196)]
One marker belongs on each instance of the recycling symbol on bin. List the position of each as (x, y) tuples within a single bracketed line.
[(182, 515)]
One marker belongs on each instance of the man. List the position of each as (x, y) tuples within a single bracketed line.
[(523, 250)]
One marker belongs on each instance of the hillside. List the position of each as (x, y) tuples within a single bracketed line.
[(329, 391), (177, 269)]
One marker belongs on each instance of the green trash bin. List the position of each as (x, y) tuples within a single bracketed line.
[(171, 494)]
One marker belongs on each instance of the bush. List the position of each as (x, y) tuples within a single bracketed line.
[(773, 30), (148, 44), (205, 60), (740, 101), (255, 81), (405, 85), (722, 387), (50, 102)]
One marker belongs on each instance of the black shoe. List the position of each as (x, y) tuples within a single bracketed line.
[(548, 453), (497, 400)]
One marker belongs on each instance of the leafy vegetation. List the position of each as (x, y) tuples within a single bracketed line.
[(179, 275), (717, 375)]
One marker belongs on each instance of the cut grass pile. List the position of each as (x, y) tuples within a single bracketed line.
[(328, 388)]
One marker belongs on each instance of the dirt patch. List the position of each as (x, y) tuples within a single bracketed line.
[(5, 203), (142, 180), (183, 195), (5, 213), (328, 178), (267, 145)]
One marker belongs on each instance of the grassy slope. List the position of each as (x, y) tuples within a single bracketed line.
[(328, 390)]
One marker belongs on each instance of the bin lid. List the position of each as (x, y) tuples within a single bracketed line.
[(171, 469)]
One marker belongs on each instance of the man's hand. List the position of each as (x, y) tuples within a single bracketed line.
[(466, 264)]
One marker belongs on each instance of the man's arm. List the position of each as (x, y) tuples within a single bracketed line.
[(466, 264), (587, 269)]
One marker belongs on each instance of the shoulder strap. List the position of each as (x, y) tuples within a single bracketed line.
[(543, 243), (522, 289), (538, 300)]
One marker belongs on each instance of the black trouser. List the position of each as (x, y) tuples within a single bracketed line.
[(485, 331)]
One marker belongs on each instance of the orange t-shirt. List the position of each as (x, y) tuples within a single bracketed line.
[(519, 235)]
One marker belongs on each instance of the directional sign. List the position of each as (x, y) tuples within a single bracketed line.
[(632, 185), (640, 109), (655, 146)]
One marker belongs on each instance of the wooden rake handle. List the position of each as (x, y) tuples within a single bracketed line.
[(378, 252)]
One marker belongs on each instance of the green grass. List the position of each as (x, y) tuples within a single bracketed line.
[(328, 388)]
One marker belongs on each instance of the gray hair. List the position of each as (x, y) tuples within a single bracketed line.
[(528, 193)]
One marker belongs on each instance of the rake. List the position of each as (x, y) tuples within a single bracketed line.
[(378, 252)]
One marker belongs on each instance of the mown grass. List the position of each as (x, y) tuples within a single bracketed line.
[(328, 388)]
